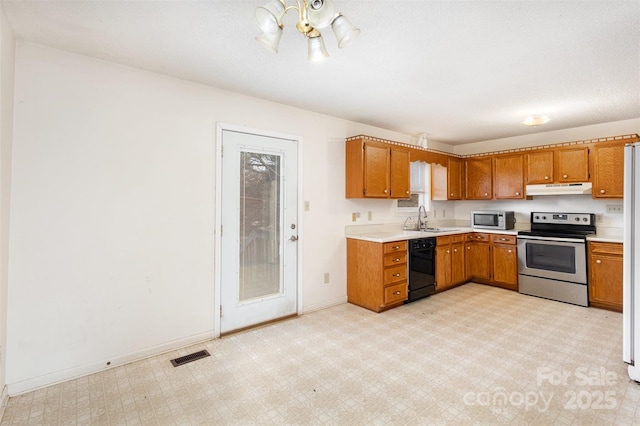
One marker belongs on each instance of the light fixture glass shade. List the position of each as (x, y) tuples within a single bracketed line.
[(270, 40), (269, 16), (317, 51), (320, 13), (345, 32), (535, 120)]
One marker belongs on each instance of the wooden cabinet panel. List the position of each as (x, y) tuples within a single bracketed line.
[(376, 166), (454, 179), (508, 177), (478, 179), (458, 273), (376, 170), (605, 275), (443, 264), (539, 167), (572, 164), (376, 274), (477, 260), (446, 182), (400, 173), (505, 265), (608, 170)]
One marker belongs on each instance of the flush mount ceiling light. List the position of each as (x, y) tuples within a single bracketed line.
[(312, 16), (535, 120)]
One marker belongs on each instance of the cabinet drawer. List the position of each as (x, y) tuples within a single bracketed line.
[(476, 236), (458, 238), (395, 259), (395, 293), (395, 246), (394, 274), (606, 248), (443, 241), (503, 239)]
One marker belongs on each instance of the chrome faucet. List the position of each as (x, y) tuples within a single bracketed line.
[(422, 225), (405, 227)]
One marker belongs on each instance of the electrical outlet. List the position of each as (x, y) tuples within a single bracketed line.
[(614, 208), (370, 216), (326, 278), (444, 213), (599, 217)]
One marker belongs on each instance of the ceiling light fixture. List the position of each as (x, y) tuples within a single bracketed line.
[(312, 16), (535, 120)]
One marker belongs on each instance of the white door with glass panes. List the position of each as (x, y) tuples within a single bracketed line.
[(258, 243)]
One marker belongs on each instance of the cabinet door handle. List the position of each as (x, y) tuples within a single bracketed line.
[(565, 176), (396, 275), (397, 259), (546, 178), (503, 239), (451, 194), (448, 251), (455, 250), (468, 248), (395, 247), (486, 195), (517, 193), (602, 191), (385, 191), (509, 251), (396, 293), (406, 192), (598, 261)]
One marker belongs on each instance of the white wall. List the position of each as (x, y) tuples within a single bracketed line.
[(112, 209), (7, 49)]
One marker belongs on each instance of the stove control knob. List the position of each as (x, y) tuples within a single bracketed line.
[(577, 219), (584, 219), (544, 218), (537, 217)]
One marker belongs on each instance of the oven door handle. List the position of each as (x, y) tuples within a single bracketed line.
[(568, 240)]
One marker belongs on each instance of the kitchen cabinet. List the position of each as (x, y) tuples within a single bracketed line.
[(504, 261), (450, 266), (446, 182), (572, 164), (376, 170), (478, 178), (508, 177), (608, 174), (477, 257), (376, 274), (539, 167), (605, 275)]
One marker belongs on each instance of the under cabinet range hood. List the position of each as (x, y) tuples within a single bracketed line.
[(559, 189)]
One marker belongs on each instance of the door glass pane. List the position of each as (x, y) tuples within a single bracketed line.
[(260, 268), (550, 257)]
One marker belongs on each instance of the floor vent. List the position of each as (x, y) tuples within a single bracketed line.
[(188, 358)]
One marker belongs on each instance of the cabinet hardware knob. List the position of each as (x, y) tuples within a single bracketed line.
[(396, 293), (455, 250), (468, 248), (396, 275), (406, 192), (509, 251), (448, 251), (565, 176), (452, 194), (395, 247), (385, 191), (598, 261), (486, 195), (397, 259), (602, 191), (546, 178), (517, 193)]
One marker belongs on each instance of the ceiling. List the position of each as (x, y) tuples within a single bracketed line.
[(459, 71)]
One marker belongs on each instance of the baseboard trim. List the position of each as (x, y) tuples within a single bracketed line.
[(327, 304), (28, 385)]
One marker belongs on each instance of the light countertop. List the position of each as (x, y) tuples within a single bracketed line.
[(387, 235)]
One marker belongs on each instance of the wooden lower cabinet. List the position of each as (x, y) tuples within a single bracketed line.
[(605, 275), (376, 274), (504, 258), (477, 257), (450, 267)]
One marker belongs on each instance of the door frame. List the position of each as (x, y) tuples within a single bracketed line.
[(220, 127)]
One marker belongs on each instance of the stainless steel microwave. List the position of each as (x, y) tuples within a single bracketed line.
[(492, 219)]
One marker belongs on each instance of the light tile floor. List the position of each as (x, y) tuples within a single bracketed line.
[(472, 355)]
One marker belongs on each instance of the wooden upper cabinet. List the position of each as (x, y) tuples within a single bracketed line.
[(508, 177), (376, 170), (477, 178), (454, 179), (572, 164), (400, 173), (608, 175), (446, 182), (539, 167)]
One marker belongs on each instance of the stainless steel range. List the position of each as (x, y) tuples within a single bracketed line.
[(552, 256)]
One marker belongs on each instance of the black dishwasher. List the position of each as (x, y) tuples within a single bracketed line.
[(422, 268)]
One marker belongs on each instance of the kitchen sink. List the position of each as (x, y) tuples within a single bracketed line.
[(440, 229)]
